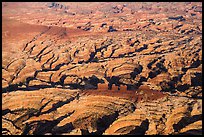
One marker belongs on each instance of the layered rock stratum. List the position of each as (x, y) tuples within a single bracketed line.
[(107, 68)]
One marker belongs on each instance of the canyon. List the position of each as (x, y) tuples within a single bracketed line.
[(101, 68)]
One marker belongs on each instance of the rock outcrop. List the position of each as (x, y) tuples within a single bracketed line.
[(107, 68)]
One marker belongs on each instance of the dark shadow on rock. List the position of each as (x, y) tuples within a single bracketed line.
[(186, 121), (104, 122), (197, 80), (63, 129), (136, 72), (141, 129), (182, 88), (192, 132), (111, 29), (178, 18), (145, 46)]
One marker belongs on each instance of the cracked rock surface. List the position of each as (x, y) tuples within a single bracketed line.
[(103, 68)]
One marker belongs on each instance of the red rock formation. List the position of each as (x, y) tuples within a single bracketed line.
[(59, 59)]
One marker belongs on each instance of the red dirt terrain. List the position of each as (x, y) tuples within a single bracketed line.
[(102, 68)]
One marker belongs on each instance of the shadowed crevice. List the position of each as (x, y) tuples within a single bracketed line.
[(186, 121), (141, 129), (60, 104)]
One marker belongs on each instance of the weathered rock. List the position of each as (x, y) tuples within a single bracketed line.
[(137, 68)]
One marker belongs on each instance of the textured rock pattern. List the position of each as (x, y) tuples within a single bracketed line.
[(59, 65), (63, 111)]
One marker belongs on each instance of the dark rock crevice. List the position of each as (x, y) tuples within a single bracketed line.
[(186, 121), (141, 129)]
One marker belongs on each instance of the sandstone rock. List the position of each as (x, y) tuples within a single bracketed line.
[(136, 68)]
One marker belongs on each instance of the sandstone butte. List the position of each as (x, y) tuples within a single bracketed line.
[(105, 68)]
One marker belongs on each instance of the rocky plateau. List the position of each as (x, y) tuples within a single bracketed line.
[(102, 68)]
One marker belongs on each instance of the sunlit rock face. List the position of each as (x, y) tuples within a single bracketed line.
[(102, 68)]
